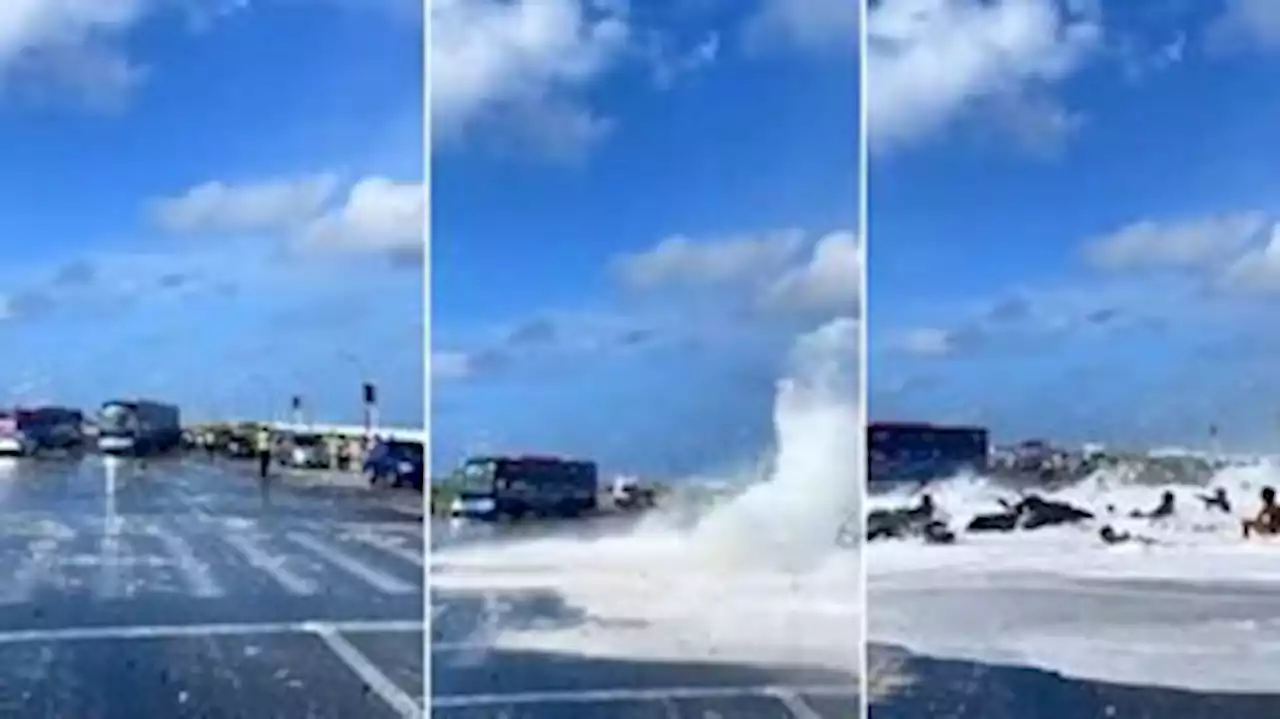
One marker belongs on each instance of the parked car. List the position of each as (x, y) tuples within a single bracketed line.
[(307, 451), (396, 462)]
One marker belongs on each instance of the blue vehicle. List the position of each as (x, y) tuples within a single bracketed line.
[(396, 462), (919, 452), (495, 488), (138, 427)]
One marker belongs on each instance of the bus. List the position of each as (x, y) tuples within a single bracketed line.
[(139, 427), (494, 488), (28, 431), (919, 452)]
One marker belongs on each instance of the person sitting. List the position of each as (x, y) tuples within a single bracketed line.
[(1268, 520)]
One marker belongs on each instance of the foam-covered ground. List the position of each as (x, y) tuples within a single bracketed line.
[(1194, 607), (757, 579)]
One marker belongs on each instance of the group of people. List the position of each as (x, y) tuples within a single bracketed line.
[(1034, 511)]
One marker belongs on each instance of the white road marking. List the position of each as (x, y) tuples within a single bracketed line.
[(379, 580), (178, 631), (378, 682), (592, 696), (109, 550), (195, 572), (795, 704), (390, 546), (274, 566)]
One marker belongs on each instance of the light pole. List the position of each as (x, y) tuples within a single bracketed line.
[(369, 394)]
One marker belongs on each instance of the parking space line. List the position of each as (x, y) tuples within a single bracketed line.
[(798, 707), (273, 566), (195, 572), (379, 580), (109, 577), (391, 547), (371, 675), (600, 696), (179, 631)]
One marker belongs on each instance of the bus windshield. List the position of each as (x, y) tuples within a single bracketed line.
[(477, 476), (115, 418)]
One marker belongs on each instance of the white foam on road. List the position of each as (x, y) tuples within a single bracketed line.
[(1194, 608), (758, 579)]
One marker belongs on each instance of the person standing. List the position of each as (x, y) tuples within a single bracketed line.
[(262, 445)]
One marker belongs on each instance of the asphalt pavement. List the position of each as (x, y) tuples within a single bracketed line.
[(914, 686), (170, 588), (473, 679)]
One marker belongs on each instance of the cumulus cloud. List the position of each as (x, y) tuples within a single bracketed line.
[(807, 25), (379, 215), (1257, 270), (931, 61), (266, 206), (830, 281), (527, 62), (682, 261), (77, 45), (1190, 244), (782, 270)]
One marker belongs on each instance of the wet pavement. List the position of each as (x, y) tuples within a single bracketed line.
[(169, 589), (472, 679), (919, 687)]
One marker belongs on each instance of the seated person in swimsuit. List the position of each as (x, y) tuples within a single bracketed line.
[(1268, 520)]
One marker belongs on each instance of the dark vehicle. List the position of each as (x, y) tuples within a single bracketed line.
[(31, 431), (396, 462), (138, 427), (919, 452), (499, 487)]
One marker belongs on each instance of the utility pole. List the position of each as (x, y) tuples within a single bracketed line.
[(297, 410)]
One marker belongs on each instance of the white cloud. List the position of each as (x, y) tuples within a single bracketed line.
[(268, 206), (681, 261), (71, 43), (450, 365), (930, 61), (1258, 270), (1246, 23), (781, 271), (670, 64), (830, 281), (379, 214), (809, 25), (927, 342), (1191, 244), (525, 61)]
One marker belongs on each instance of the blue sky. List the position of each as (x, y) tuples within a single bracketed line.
[(634, 212), (1071, 213), (217, 203)]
